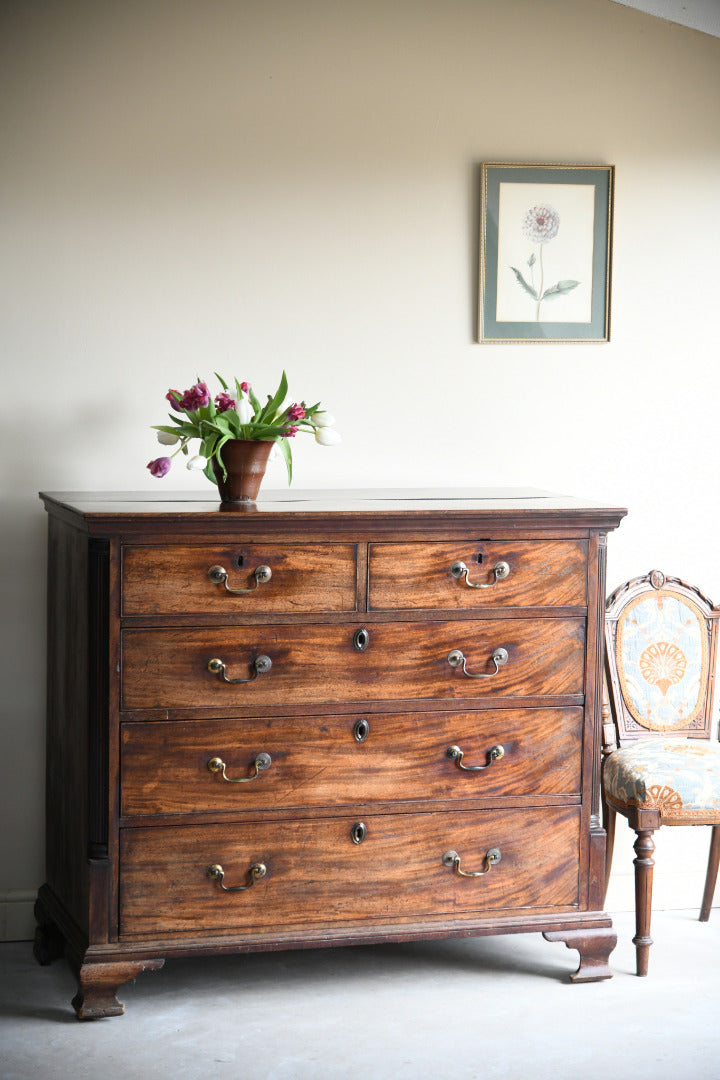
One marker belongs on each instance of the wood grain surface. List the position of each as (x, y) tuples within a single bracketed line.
[(318, 663), (316, 761), (174, 579), (316, 874), (417, 575)]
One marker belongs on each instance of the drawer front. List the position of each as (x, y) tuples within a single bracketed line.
[(172, 767), (537, 573), (176, 580), (316, 663), (316, 875)]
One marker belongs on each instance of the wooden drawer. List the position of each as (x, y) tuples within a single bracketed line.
[(316, 874), (417, 575), (165, 580), (317, 663), (318, 761)]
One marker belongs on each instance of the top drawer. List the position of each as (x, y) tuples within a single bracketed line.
[(180, 579), (543, 573)]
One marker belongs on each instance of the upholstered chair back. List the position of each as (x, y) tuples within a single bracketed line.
[(661, 637)]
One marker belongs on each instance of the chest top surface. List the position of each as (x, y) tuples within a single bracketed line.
[(102, 513)]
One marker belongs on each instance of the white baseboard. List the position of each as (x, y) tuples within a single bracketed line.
[(17, 918)]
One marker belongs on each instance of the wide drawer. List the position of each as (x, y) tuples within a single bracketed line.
[(319, 663), (316, 874), (172, 767), (177, 579), (529, 573)]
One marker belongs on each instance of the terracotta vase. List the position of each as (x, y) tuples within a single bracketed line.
[(245, 461)]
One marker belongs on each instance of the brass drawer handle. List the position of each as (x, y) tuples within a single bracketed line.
[(216, 872), (261, 762), (456, 754), (500, 571), (219, 576), (260, 666), (456, 658), (452, 860)]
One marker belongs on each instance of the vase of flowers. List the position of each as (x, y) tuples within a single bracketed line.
[(237, 434)]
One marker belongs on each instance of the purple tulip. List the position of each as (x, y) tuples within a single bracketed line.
[(159, 466), (173, 397), (196, 397), (223, 402), (295, 412)]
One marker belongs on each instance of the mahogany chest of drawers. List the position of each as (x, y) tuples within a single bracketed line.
[(332, 718)]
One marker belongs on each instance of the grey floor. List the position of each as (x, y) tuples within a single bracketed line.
[(488, 1007)]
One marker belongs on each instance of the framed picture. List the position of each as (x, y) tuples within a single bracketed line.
[(545, 252)]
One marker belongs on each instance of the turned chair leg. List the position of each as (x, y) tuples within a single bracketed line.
[(644, 863), (712, 872)]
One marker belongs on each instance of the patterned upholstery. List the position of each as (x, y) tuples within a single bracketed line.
[(661, 638), (680, 777), (662, 659)]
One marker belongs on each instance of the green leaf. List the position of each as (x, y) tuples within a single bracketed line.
[(286, 451), (207, 428), (254, 401), (523, 283), (207, 448), (223, 422), (221, 381), (560, 289), (183, 427), (532, 260), (265, 431), (216, 451), (167, 429), (275, 402), (221, 443)]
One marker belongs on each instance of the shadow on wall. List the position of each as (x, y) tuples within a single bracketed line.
[(23, 547)]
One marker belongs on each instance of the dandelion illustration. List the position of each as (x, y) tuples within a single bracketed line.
[(540, 225)]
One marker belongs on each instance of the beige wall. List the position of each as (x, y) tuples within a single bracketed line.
[(242, 186)]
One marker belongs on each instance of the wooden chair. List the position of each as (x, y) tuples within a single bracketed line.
[(660, 767)]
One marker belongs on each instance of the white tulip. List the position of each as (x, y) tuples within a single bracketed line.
[(197, 463), (327, 436), (166, 439), (323, 419), (244, 410)]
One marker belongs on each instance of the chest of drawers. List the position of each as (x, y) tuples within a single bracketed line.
[(334, 718)]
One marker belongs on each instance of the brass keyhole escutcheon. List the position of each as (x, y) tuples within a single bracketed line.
[(358, 832), (361, 730)]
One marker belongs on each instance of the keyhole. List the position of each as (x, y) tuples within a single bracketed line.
[(361, 639), (361, 730), (358, 832)]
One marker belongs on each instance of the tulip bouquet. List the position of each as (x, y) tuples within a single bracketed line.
[(236, 413)]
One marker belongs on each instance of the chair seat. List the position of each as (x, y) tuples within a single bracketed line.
[(678, 777)]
